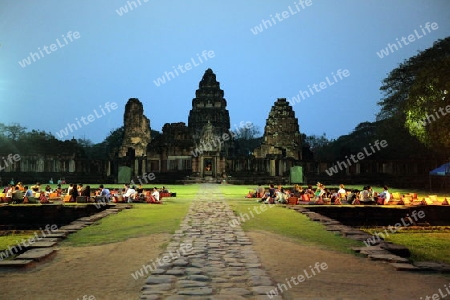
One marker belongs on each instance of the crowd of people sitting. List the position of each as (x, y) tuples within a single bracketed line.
[(19, 193), (320, 194)]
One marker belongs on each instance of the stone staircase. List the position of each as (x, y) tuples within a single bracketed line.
[(45, 248)]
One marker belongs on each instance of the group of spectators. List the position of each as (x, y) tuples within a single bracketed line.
[(18, 192), (137, 194), (129, 193), (311, 195)]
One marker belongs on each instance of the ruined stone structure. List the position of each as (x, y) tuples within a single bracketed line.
[(171, 151), (200, 148), (204, 148), (281, 141), (136, 130), (208, 106), (208, 121)]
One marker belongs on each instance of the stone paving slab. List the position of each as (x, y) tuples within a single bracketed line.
[(432, 266), (37, 254), (388, 258), (72, 228), (399, 250), (57, 234), (42, 244), (16, 263), (51, 239), (404, 267)]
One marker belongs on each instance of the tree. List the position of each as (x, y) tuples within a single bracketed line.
[(247, 132), (246, 139), (415, 95), (13, 131)]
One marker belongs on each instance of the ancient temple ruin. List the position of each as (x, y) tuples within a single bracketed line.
[(204, 148), (281, 144), (136, 130), (208, 121), (208, 106)]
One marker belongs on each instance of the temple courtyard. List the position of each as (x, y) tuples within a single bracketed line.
[(212, 246)]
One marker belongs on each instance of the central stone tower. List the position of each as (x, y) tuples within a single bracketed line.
[(208, 106), (208, 121)]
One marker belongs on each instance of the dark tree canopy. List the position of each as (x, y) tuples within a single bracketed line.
[(416, 95)]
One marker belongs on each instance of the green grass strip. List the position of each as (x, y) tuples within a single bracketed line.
[(142, 220)]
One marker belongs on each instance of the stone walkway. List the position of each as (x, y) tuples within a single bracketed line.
[(208, 258)]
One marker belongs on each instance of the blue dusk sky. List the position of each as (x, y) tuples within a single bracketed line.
[(79, 61)]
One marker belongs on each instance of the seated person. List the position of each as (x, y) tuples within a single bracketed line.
[(367, 195), (80, 188), (272, 195), (36, 188), (58, 190), (86, 192), (320, 191), (69, 189), (73, 194), (105, 193), (17, 195), (298, 191), (310, 191), (129, 195), (280, 196), (334, 195), (259, 192), (29, 192), (155, 194), (21, 187), (354, 194), (8, 191), (48, 190), (384, 196)]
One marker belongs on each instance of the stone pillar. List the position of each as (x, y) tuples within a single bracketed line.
[(201, 166), (71, 166), (144, 165), (136, 167), (272, 167)]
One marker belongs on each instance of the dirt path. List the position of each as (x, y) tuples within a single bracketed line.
[(346, 276), (101, 271)]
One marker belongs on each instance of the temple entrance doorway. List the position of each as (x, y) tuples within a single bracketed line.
[(208, 167)]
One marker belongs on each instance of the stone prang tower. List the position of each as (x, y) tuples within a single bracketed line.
[(136, 130), (208, 106)]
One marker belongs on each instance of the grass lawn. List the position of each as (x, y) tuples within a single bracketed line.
[(13, 239), (434, 246), (145, 219), (425, 245), (282, 221)]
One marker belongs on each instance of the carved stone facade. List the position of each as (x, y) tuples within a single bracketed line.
[(208, 106), (204, 148), (281, 140), (171, 151), (136, 130)]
